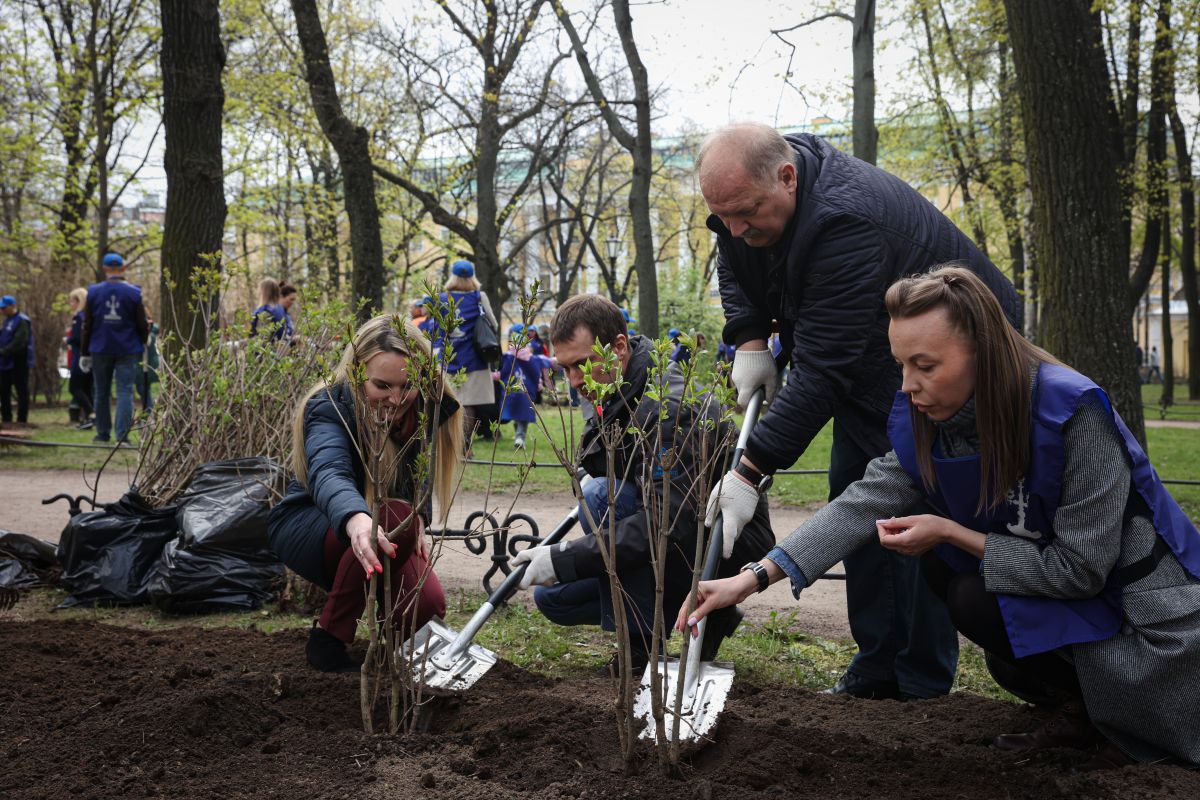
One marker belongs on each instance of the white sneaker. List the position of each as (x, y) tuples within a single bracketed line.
[(519, 443)]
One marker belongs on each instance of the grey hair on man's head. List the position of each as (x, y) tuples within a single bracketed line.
[(761, 148)]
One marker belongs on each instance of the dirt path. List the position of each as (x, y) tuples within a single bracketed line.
[(822, 612)]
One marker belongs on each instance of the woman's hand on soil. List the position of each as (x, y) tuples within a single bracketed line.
[(714, 595)]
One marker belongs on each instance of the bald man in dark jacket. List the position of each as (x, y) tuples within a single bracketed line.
[(808, 240)]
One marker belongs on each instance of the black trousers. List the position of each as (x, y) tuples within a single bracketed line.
[(16, 378), (1045, 678), (80, 386)]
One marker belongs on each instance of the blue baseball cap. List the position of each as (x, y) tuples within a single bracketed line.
[(7, 300), (112, 260), (516, 328), (625, 314), (463, 269), (674, 332)]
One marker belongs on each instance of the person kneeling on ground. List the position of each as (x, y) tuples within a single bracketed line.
[(575, 587), (1057, 549), (322, 529)]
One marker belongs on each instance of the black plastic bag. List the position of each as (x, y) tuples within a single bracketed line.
[(222, 560), (26, 561), (108, 556)]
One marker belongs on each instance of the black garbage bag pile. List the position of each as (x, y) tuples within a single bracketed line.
[(207, 552), (221, 560), (108, 555), (26, 561)]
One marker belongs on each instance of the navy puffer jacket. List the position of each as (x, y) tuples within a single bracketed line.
[(856, 230)]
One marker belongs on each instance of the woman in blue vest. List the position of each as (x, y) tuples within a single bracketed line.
[(477, 395), (1054, 545), (16, 360), (269, 318), (520, 376), (323, 529)]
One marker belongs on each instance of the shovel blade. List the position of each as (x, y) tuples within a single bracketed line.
[(700, 709), (429, 654)]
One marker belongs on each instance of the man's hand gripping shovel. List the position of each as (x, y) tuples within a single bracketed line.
[(442, 658), (697, 702)]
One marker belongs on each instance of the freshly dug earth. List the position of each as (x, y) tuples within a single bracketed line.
[(94, 711)]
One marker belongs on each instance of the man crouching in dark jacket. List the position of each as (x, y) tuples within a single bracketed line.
[(574, 586)]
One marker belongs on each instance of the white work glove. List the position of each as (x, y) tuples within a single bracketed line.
[(541, 567), (85, 363), (752, 369), (736, 500)]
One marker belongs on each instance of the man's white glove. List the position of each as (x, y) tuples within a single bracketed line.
[(736, 500), (541, 567), (85, 363), (752, 369)]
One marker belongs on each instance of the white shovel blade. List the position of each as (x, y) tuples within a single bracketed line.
[(701, 708), (428, 654)]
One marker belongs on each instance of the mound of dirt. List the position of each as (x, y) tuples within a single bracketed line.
[(93, 711)]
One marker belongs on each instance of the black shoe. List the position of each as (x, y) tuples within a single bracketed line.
[(865, 688), (86, 426), (721, 625), (327, 653), (638, 659)]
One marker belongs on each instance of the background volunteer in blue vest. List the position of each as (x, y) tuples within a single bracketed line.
[(1057, 549), (16, 359), (477, 394), (114, 333)]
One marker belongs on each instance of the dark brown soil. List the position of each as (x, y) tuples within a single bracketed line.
[(94, 711)]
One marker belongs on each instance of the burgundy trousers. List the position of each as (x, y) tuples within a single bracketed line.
[(348, 595)]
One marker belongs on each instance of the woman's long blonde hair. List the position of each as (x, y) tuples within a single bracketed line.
[(79, 295), (391, 334), (1004, 360), (458, 283), (269, 292)]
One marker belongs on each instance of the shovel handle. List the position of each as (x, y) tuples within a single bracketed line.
[(509, 587), (713, 559)]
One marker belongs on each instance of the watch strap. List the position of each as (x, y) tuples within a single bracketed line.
[(760, 573)]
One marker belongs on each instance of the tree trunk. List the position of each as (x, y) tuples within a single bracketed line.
[(192, 60), (1168, 337), (643, 168), (1156, 165), (1187, 216), (1187, 255), (351, 143), (866, 135), (1069, 129), (1007, 194)]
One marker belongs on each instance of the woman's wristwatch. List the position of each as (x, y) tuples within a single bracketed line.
[(760, 572)]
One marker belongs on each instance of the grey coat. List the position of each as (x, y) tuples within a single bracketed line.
[(1142, 686)]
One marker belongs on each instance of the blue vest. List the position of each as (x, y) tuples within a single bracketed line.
[(113, 306), (1039, 624), (517, 400), (273, 319), (8, 332), (468, 308)]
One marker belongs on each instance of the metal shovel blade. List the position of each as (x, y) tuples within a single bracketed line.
[(703, 698), (440, 661)]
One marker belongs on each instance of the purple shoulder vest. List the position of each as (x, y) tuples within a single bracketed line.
[(1039, 624)]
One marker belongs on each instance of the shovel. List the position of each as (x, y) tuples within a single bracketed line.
[(442, 658), (706, 684)]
